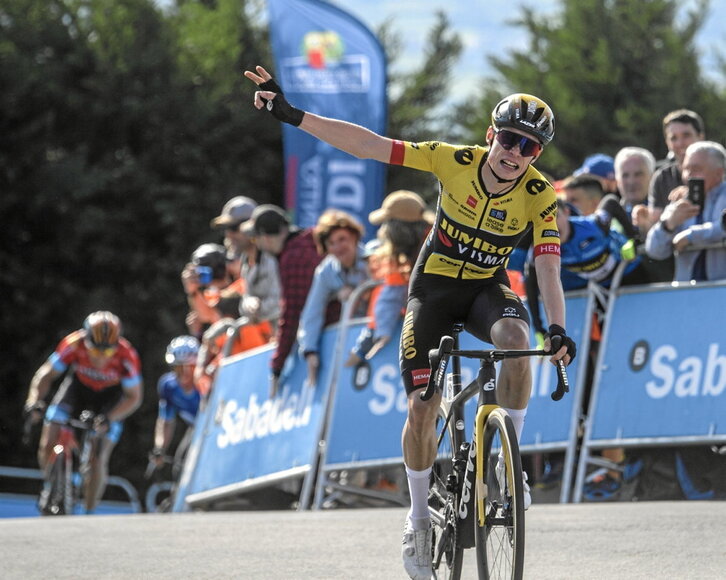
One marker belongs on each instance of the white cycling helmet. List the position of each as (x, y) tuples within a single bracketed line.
[(182, 350)]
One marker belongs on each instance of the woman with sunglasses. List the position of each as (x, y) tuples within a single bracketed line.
[(489, 196), (102, 374)]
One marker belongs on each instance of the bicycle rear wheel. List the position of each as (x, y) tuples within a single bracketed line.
[(447, 552), (500, 540)]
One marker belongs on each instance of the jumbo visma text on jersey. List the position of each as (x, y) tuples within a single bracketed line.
[(475, 231)]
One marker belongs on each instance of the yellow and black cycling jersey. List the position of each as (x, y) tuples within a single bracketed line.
[(475, 231)]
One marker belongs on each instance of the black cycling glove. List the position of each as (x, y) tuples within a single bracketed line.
[(558, 339), (279, 107), (101, 422)]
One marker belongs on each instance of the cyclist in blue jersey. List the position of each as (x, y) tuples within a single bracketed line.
[(178, 397)]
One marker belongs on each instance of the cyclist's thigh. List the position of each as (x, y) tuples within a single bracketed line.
[(496, 301), (435, 304)]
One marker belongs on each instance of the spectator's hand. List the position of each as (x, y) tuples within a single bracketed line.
[(377, 346), (190, 279), (681, 241), (313, 361), (641, 217), (677, 212), (194, 325), (344, 293), (353, 359), (680, 192), (250, 306)]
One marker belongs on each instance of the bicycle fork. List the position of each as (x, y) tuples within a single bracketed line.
[(472, 472), (486, 380)]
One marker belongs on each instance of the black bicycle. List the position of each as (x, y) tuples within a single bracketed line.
[(476, 496), (69, 466)]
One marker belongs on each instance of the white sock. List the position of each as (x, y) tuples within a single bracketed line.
[(517, 416), (418, 487)]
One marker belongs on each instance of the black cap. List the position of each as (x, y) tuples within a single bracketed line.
[(266, 219)]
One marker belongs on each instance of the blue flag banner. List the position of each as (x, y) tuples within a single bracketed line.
[(328, 63)]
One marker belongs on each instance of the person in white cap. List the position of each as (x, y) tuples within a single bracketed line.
[(235, 213)]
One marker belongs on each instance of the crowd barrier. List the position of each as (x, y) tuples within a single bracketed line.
[(660, 380), (661, 373)]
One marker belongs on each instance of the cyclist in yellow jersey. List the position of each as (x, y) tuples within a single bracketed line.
[(489, 197)]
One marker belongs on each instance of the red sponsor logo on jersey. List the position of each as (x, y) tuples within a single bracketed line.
[(444, 239), (547, 249), (472, 201), (549, 218), (420, 377)]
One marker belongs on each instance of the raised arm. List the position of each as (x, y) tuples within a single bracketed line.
[(349, 137)]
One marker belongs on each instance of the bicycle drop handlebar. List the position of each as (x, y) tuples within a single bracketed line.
[(439, 359)]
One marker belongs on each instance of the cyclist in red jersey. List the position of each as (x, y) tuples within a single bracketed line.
[(489, 198), (103, 374)]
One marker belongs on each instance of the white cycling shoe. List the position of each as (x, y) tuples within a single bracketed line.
[(527, 495), (416, 552)]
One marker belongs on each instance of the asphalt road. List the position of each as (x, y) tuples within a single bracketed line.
[(672, 540)]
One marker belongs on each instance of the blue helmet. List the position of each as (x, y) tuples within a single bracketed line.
[(182, 350)]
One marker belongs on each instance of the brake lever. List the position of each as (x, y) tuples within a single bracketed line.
[(563, 383), (438, 359)]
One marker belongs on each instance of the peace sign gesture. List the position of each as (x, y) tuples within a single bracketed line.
[(272, 98)]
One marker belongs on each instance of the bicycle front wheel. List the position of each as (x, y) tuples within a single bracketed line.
[(446, 550), (54, 502), (500, 537)]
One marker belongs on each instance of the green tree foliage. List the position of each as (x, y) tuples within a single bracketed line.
[(416, 98), (119, 140), (610, 69)]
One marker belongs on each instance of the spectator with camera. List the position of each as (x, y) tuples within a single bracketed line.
[(693, 220), (681, 128), (203, 278)]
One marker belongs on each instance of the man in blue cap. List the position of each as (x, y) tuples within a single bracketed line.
[(601, 166)]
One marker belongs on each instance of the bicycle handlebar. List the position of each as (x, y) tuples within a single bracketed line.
[(439, 359)]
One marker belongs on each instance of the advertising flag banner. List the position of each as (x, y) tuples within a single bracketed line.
[(327, 62)]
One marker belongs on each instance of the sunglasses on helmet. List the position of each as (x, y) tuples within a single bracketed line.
[(527, 147)]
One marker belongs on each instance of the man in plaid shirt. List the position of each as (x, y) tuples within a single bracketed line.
[(297, 256)]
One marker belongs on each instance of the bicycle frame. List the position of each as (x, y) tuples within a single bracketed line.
[(482, 386), (475, 485)]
